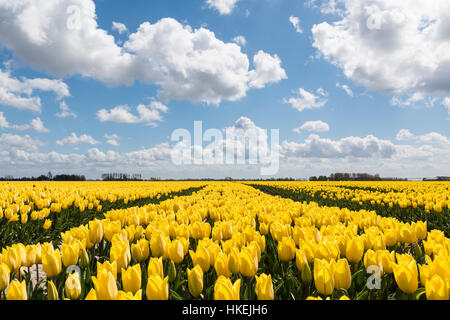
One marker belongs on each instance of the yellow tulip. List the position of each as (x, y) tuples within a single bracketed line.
[(158, 246), (386, 259), (17, 291), (51, 262), (52, 293), (201, 257), (195, 280), (11, 258), (406, 276), (92, 295), (234, 261), (47, 224), (323, 277), (264, 287), (105, 285), (140, 251), (129, 296), (108, 267), (132, 278), (436, 289), (342, 274), (155, 266), (221, 265), (420, 229), (300, 259), (70, 254), (120, 252), (225, 290), (355, 250), (176, 251), (4, 276), (95, 231), (73, 286), (31, 256), (407, 234), (286, 249), (157, 288), (247, 264)]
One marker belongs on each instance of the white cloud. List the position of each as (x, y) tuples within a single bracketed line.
[(306, 100), (446, 103), (149, 115), (429, 138), (112, 139), (35, 125), (389, 46), (73, 139), (12, 141), (119, 27), (65, 111), (346, 88), (313, 126), (223, 6), (18, 93), (296, 23), (186, 63), (267, 70), (240, 40), (414, 100), (355, 147)]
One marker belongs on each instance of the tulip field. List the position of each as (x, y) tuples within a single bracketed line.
[(225, 240)]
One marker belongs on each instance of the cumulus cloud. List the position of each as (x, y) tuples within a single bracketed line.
[(18, 93), (62, 37), (306, 100), (222, 6), (346, 88), (267, 70), (119, 27), (240, 40), (296, 23), (394, 47), (73, 139), (65, 111), (313, 126), (446, 103), (112, 139), (149, 115), (14, 142), (429, 138), (35, 125), (355, 147)]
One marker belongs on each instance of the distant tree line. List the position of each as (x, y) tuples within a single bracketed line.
[(353, 177), (48, 177), (121, 177)]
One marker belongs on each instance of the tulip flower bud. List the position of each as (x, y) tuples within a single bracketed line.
[(437, 289), (105, 286), (225, 290), (155, 266), (306, 274), (51, 262), (132, 278), (84, 258), (52, 293), (195, 280), (176, 251), (172, 272), (157, 288)]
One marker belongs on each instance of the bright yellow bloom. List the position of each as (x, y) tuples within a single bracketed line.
[(221, 265), (323, 277), (140, 251), (157, 288), (436, 289), (4, 276), (264, 287), (355, 250), (248, 265), (108, 267), (11, 258), (201, 257), (342, 274), (70, 254), (105, 285), (47, 224), (176, 251), (286, 249), (195, 280), (155, 266), (234, 261), (225, 290), (17, 291), (129, 295), (158, 245), (406, 276), (51, 262), (132, 278), (52, 293), (120, 252)]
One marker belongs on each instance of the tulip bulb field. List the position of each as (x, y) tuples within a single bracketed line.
[(225, 240)]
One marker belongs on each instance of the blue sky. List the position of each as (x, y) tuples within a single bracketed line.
[(397, 90)]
